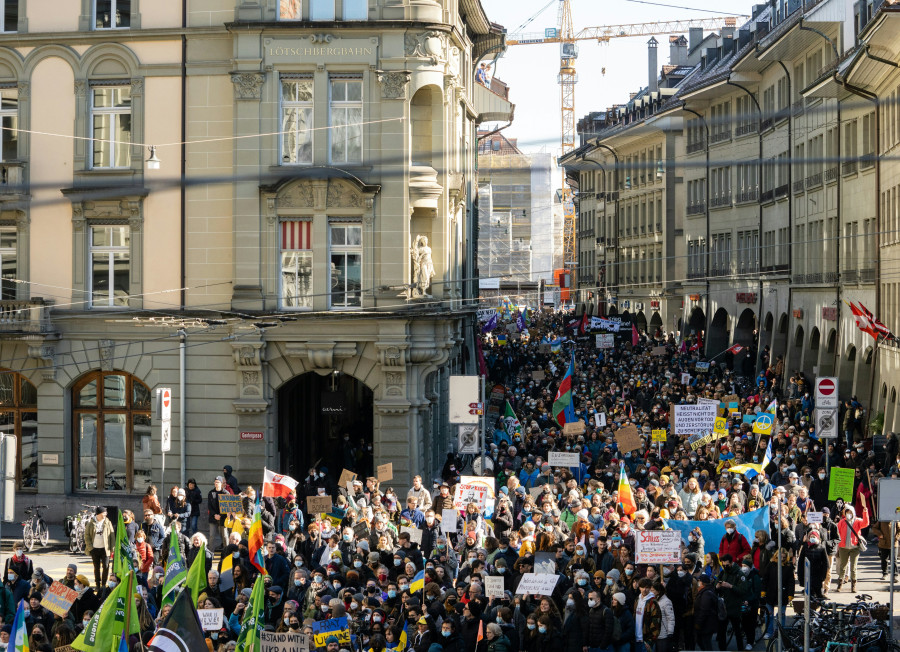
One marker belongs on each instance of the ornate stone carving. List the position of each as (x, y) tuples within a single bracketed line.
[(320, 38), (107, 350), (247, 85), (24, 90), (80, 87), (137, 86), (393, 378), (248, 358), (391, 356), (44, 354), (297, 195), (393, 391), (430, 45), (247, 355), (341, 195), (394, 84), (321, 355)]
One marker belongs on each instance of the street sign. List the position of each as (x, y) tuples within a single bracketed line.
[(477, 411), (826, 423), (889, 499), (827, 392), (464, 390), (166, 435), (166, 403)]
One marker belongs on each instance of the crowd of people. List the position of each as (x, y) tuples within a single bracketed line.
[(384, 558)]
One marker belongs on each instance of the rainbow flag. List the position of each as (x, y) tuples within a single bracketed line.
[(626, 498), (563, 411), (255, 540), (18, 638)]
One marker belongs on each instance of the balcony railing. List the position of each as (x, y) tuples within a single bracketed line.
[(814, 180), (12, 176), (831, 174), (696, 209), (850, 276), (766, 123), (693, 148), (782, 191), (24, 316), (867, 275), (832, 277), (799, 186), (720, 202), (866, 161), (797, 107), (767, 195), (720, 137), (748, 195), (848, 167), (743, 130)]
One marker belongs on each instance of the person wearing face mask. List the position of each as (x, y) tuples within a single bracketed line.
[(572, 630), (813, 549), (611, 585), (849, 529), (599, 624), (733, 543), (85, 603)]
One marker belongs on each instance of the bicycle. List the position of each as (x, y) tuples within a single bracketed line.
[(35, 528), (75, 526)]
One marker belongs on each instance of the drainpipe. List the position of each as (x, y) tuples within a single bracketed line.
[(183, 190), (706, 207), (790, 92), (759, 207)]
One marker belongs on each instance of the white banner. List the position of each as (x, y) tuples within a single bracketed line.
[(449, 518), (598, 323), (606, 341), (708, 401), (693, 419), (656, 547), (211, 619), (493, 587), (472, 488), (537, 584), (563, 459), (814, 517), (485, 314)]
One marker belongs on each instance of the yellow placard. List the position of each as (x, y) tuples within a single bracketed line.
[(721, 425), (658, 435)]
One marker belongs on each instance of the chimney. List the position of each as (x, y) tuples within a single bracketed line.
[(677, 50), (695, 36), (727, 32), (652, 65)]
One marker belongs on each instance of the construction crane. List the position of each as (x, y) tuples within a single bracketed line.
[(565, 34)]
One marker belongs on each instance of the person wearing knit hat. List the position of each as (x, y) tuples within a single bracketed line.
[(332, 644), (619, 598)]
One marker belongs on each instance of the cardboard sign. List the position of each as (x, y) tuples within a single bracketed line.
[(537, 584), (415, 534), (690, 419), (230, 504), (536, 492), (346, 476), (283, 642), (658, 435), (814, 517), (538, 375), (211, 619), (657, 546), (840, 484), (318, 504), (544, 562), (493, 587), (563, 459), (627, 438), (385, 472), (473, 489), (322, 629), (658, 350), (59, 599), (732, 398), (449, 518), (576, 428)]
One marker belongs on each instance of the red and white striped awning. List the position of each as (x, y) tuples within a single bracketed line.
[(296, 234)]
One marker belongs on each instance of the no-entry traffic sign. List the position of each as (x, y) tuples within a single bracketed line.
[(827, 392)]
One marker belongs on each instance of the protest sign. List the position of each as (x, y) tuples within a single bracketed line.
[(537, 584), (600, 419), (658, 350), (544, 562), (562, 459), (707, 401), (702, 439), (763, 423), (720, 426), (449, 517), (685, 379), (814, 517), (346, 476), (361, 530), (701, 366), (658, 435), (576, 428), (283, 642), (888, 499), (472, 488), (59, 599), (318, 504), (627, 438), (230, 504), (606, 341), (385, 472), (211, 619), (657, 546), (691, 419), (322, 629), (493, 587), (538, 375), (415, 534), (840, 484), (535, 492)]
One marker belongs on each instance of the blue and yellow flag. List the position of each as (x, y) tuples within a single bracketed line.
[(418, 582)]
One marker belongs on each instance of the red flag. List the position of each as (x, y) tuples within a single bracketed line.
[(862, 321), (582, 327), (876, 324), (735, 349), (276, 485), (634, 336), (480, 631)]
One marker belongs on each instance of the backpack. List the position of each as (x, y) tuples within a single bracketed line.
[(617, 627), (721, 610)]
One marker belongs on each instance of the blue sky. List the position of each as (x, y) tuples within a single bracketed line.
[(531, 70)]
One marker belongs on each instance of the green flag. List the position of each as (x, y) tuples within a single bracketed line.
[(176, 572), (513, 427), (117, 614), (249, 637), (196, 576), (123, 558)]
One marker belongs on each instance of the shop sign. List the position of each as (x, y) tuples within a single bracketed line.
[(746, 297), (831, 313), (798, 313)]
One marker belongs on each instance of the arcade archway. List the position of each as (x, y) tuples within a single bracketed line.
[(718, 333)]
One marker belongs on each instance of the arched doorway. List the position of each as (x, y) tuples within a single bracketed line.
[(890, 412), (656, 323), (640, 320), (697, 322), (19, 419), (765, 336), (847, 372), (718, 333), (812, 358), (779, 341), (314, 414), (745, 335), (864, 388), (795, 354), (826, 361)]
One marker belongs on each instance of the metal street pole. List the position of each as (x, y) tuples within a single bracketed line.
[(181, 400), (806, 602), (893, 566), (483, 423), (780, 564)]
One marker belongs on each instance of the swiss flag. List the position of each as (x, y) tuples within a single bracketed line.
[(735, 349), (276, 485), (863, 321)]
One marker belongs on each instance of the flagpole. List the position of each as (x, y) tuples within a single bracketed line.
[(130, 605)]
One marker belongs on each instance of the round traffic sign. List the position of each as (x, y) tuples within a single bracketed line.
[(826, 387), (167, 398)]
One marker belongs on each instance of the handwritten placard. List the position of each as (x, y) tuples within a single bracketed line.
[(658, 350), (840, 485), (576, 428), (385, 472), (59, 599), (493, 587), (230, 504), (211, 619), (283, 642), (814, 517), (318, 504), (537, 584), (346, 476), (338, 627), (627, 438), (538, 375), (657, 546), (658, 435), (690, 419), (555, 458)]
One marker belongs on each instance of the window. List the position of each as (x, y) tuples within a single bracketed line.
[(110, 266), (112, 14), (290, 10), (9, 120), (356, 9), (296, 121), (9, 17), (321, 10), (346, 265), (8, 270), (111, 422), (18, 418), (346, 121), (296, 264), (868, 140), (111, 126)]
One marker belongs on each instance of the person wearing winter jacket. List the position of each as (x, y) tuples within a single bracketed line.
[(626, 623), (666, 640), (750, 608), (733, 543), (144, 554), (814, 550), (770, 587), (598, 624), (849, 529), (194, 499), (883, 530), (19, 563), (180, 510), (706, 609)]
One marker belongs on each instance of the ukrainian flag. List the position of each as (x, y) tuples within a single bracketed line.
[(418, 582)]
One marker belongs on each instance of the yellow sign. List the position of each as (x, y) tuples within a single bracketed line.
[(763, 424), (720, 425), (658, 435)]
